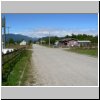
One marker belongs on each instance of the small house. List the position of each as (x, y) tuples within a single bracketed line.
[(71, 42), (68, 42), (42, 42), (84, 43), (23, 42)]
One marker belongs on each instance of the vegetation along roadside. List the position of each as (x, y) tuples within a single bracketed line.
[(91, 52), (19, 70)]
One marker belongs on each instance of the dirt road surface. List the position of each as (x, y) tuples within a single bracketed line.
[(56, 67)]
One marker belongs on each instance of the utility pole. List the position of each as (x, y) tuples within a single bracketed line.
[(49, 39), (8, 29), (8, 33), (41, 40), (4, 32), (4, 29)]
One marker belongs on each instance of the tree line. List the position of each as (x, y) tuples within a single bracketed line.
[(11, 41), (53, 39)]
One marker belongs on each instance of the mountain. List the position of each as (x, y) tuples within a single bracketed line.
[(18, 37)]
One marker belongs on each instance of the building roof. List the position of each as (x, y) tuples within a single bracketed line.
[(68, 39), (83, 41), (22, 41)]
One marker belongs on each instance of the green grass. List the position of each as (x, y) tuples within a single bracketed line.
[(28, 78), (17, 46), (91, 52), (22, 65)]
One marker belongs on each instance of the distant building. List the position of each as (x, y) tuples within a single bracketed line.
[(71, 42), (68, 42), (23, 42), (37, 42), (42, 42), (84, 43), (56, 44)]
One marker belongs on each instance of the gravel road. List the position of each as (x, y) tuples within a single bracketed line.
[(56, 67)]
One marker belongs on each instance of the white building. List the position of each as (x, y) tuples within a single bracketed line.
[(23, 42), (84, 42)]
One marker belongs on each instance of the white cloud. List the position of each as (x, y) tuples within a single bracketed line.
[(42, 32)]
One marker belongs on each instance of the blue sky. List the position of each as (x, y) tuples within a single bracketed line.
[(38, 25)]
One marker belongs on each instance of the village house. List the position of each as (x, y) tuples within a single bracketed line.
[(68, 42), (71, 42), (42, 42), (23, 42), (84, 43)]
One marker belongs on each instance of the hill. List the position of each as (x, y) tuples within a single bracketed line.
[(18, 37)]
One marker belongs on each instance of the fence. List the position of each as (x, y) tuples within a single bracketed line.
[(11, 55), (8, 62)]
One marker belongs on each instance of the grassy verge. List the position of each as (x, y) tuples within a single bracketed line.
[(28, 78), (20, 70), (17, 46), (91, 52)]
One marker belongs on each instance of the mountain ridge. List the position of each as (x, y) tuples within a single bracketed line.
[(19, 37)]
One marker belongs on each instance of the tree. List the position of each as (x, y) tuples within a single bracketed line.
[(73, 35), (29, 42), (53, 39), (11, 41)]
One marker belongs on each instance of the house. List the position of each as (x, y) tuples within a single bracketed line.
[(56, 44), (23, 42), (84, 43), (68, 42), (42, 42), (71, 42)]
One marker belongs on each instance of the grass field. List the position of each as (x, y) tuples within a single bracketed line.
[(20, 71), (18, 46), (91, 52)]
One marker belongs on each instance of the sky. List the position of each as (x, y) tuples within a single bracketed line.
[(41, 25)]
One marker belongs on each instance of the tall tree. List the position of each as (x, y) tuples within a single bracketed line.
[(11, 41)]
